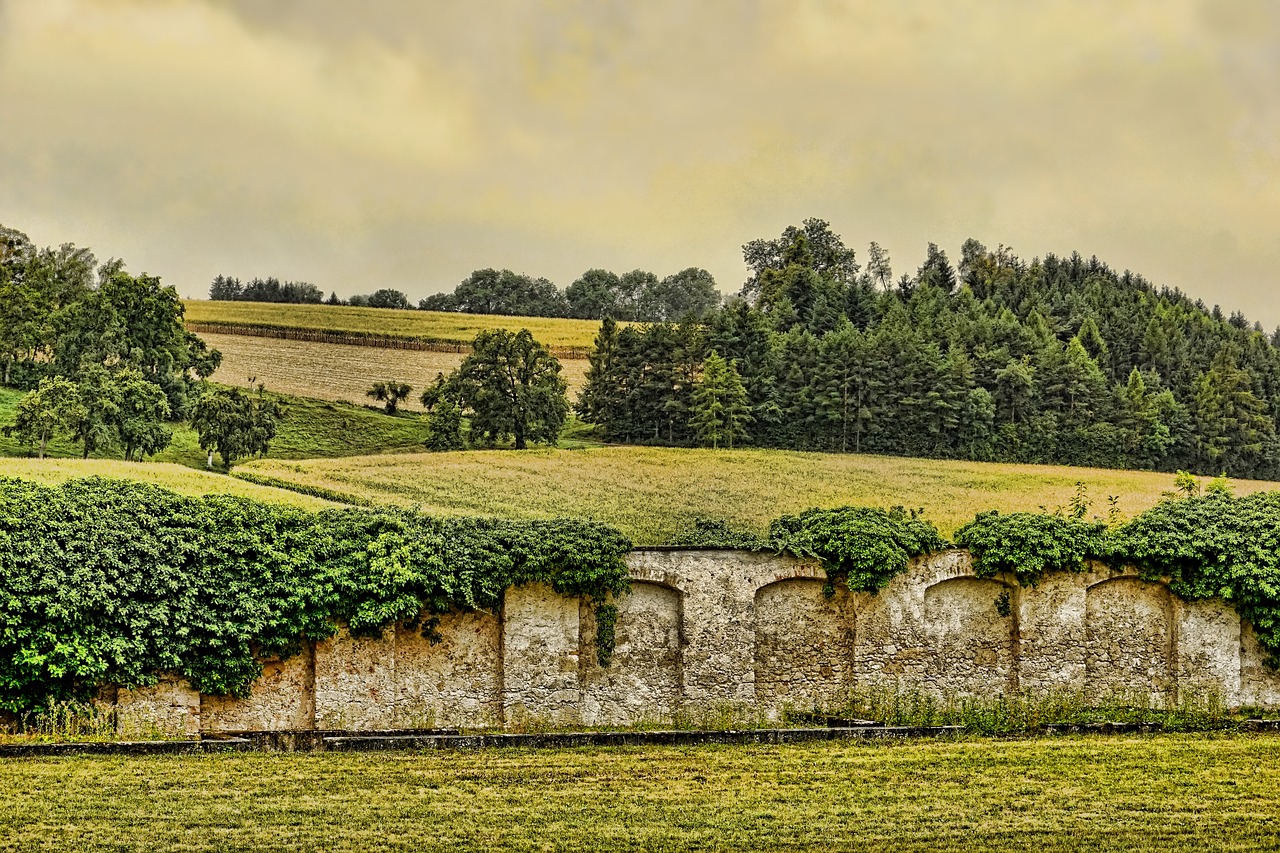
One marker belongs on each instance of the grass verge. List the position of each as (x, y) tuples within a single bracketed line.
[(1166, 793), (311, 428)]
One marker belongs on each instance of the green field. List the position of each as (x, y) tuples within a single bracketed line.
[(1154, 793), (650, 493), (311, 428), (423, 325), (176, 478)]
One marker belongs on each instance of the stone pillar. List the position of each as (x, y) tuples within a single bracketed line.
[(1051, 628), (540, 655), (355, 681), (1207, 650)]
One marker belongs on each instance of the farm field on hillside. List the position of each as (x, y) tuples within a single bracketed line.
[(650, 493), (1157, 793), (338, 371), (175, 478), (424, 325)]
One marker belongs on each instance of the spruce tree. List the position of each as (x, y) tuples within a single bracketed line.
[(720, 409)]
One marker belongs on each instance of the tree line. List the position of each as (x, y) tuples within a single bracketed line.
[(1054, 360), (107, 360), (225, 288), (597, 293)]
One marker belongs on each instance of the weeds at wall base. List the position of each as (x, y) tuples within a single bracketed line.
[(1032, 713)]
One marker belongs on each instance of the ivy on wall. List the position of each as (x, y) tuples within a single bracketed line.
[(1205, 546), (114, 582), (862, 546)]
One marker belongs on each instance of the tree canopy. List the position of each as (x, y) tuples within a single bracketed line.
[(510, 387), (1053, 360), (105, 351)]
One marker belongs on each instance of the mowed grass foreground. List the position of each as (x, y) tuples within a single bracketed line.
[(1156, 793), (443, 326), (651, 493)]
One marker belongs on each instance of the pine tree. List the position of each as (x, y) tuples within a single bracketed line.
[(720, 409)]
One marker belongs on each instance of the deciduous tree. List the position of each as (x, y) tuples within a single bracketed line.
[(510, 387)]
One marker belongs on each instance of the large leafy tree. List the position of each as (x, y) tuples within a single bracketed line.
[(511, 388), (46, 411), (234, 424), (689, 293), (828, 255), (141, 415), (597, 294), (491, 291)]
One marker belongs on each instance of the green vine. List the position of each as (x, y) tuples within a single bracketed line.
[(115, 582), (715, 533), (1027, 545), (606, 637), (862, 546)]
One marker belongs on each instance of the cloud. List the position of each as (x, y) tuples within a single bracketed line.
[(403, 144)]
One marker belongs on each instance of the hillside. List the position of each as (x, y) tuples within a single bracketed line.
[(176, 478), (329, 371), (651, 493), (432, 326), (311, 428)]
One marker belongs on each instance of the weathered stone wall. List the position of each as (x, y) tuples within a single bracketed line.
[(711, 630)]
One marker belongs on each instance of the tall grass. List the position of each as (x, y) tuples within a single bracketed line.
[(62, 722), (652, 493), (424, 325)]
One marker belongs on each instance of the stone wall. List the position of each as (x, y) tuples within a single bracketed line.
[(706, 631)]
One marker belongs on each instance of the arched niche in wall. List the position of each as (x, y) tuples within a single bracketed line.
[(643, 678), (1129, 638), (970, 631), (804, 645)]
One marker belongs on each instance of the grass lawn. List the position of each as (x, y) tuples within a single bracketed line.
[(1154, 793), (426, 325), (650, 493)]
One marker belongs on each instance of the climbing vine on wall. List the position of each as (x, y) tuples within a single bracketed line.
[(115, 582), (1207, 546), (1028, 544), (863, 546)]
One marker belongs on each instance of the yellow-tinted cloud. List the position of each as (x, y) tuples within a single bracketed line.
[(404, 144)]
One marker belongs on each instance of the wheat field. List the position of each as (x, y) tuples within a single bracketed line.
[(423, 325), (650, 493), (340, 372)]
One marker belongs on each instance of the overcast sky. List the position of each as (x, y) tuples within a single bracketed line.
[(400, 143)]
